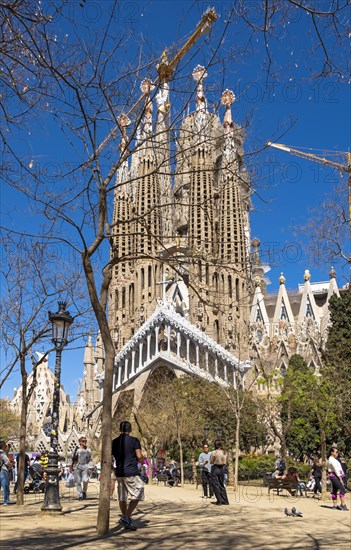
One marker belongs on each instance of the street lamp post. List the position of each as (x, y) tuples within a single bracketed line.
[(61, 321)]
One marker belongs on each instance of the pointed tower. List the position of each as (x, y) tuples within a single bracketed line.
[(308, 307), (233, 234), (283, 315), (90, 388), (196, 196), (142, 218), (212, 199), (325, 316)]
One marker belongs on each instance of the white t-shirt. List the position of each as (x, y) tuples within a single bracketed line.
[(335, 467)]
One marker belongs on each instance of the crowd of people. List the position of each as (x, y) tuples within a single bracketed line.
[(336, 476), (129, 473)]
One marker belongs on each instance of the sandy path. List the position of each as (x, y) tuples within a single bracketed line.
[(178, 518)]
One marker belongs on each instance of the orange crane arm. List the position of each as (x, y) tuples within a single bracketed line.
[(310, 156), (166, 68), (203, 27)]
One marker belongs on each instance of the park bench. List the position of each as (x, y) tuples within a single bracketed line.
[(278, 485), (164, 478)]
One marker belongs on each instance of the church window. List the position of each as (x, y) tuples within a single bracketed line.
[(131, 298), (237, 289), (123, 297), (259, 335), (283, 370), (258, 314), (216, 327), (142, 273), (215, 281), (149, 276), (230, 286), (283, 312), (309, 310)]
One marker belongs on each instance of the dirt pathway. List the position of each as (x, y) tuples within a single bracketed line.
[(178, 518)]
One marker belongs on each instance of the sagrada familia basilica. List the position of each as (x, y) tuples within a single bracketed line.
[(188, 291)]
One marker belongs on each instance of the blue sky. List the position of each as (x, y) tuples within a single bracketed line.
[(291, 106)]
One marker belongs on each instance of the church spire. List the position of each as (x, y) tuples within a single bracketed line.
[(229, 149), (145, 128), (123, 175), (227, 99), (199, 73)]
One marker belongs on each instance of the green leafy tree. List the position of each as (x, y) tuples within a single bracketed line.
[(337, 358), (307, 400), (297, 413), (9, 422)]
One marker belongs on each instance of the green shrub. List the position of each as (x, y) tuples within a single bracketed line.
[(256, 466)]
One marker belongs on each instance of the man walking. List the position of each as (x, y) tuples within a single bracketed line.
[(205, 465), (82, 462), (127, 452)]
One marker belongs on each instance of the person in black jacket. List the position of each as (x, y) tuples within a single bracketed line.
[(316, 472)]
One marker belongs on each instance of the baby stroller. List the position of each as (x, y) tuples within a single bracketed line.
[(36, 483)]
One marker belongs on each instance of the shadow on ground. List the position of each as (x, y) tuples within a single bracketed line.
[(176, 525)]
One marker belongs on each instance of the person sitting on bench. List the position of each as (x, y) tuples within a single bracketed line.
[(292, 475)]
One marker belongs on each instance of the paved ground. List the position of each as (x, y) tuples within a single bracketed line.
[(178, 518)]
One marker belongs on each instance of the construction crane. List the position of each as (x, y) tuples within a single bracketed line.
[(344, 168), (166, 68)]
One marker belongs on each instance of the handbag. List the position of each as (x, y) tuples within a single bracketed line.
[(70, 481)]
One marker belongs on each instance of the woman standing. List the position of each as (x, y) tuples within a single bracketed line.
[(218, 461), (316, 472), (336, 477)]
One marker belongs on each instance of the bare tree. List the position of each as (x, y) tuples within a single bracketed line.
[(30, 287), (328, 230)]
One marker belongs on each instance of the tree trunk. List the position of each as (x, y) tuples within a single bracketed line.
[(230, 465), (193, 470), (103, 519), (181, 465), (23, 429), (237, 451), (150, 459), (181, 461), (324, 463)]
